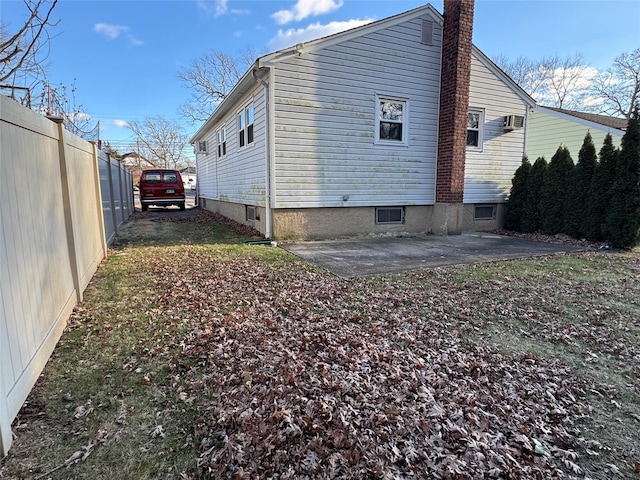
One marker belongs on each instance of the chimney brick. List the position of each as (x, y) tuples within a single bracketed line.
[(454, 99)]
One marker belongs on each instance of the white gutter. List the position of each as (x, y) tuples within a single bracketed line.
[(268, 220)]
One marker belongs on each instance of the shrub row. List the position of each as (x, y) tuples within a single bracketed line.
[(597, 199)]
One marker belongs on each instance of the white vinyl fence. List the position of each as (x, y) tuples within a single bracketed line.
[(61, 202)]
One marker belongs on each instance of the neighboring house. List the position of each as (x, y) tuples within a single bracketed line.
[(189, 177), (549, 128), (352, 134)]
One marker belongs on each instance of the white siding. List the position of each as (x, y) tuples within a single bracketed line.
[(325, 113), (488, 173), (240, 175), (547, 131), (206, 167)]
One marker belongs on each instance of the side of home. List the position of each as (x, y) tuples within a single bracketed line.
[(493, 159), (339, 136), (549, 128)]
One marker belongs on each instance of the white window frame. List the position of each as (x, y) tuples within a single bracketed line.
[(480, 129), (246, 129), (404, 141), (221, 139)]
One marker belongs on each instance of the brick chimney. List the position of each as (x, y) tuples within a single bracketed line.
[(454, 104)]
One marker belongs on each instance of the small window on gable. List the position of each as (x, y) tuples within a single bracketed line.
[(484, 212), (391, 121), (475, 129), (385, 215), (222, 142), (245, 124)]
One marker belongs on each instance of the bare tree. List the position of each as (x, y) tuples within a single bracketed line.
[(618, 88), (553, 81), (565, 80), (161, 142), (23, 52), (524, 72), (60, 100), (210, 78)]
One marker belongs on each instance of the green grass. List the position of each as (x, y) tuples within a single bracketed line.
[(146, 403)]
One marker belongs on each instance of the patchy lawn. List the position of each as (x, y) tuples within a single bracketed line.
[(195, 356)]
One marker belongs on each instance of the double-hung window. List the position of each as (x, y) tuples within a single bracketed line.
[(222, 142), (392, 117), (475, 129), (245, 125)]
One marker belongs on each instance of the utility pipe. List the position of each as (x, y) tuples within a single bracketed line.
[(268, 220)]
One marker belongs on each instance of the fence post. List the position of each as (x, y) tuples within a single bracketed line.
[(66, 201), (114, 217), (98, 197), (6, 436)]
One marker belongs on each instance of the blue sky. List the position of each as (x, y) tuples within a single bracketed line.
[(125, 55)]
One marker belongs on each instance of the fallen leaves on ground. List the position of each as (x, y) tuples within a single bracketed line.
[(303, 375)]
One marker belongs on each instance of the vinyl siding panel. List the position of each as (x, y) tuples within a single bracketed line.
[(240, 175), (325, 119), (547, 131), (488, 173), (206, 166)]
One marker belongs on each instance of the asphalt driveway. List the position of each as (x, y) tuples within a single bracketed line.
[(368, 256)]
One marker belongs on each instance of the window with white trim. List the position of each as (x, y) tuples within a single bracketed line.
[(475, 129), (245, 126), (222, 142), (392, 118)]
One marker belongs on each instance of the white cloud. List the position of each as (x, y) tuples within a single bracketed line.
[(109, 30), (306, 8), (290, 37), (79, 116), (121, 123), (114, 31), (215, 8)]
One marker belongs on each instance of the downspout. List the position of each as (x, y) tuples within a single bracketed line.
[(268, 220), (526, 129)]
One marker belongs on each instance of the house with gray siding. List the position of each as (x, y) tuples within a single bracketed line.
[(550, 128), (353, 134)]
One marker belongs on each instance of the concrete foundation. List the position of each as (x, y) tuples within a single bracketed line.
[(336, 223), (447, 219)]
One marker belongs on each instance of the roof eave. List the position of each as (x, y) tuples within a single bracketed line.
[(227, 104), (583, 121)]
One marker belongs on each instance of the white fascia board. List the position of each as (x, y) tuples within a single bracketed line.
[(320, 43)]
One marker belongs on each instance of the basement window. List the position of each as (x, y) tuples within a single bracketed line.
[(484, 212), (251, 213), (475, 129), (386, 215)]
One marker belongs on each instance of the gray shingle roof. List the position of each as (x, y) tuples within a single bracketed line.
[(607, 121)]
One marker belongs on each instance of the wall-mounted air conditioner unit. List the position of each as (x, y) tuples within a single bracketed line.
[(513, 122), (202, 147)]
